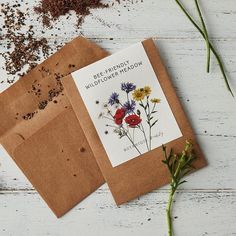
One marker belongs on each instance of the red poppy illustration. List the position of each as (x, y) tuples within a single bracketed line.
[(133, 120), (119, 116)]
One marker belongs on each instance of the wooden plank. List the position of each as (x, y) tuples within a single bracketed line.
[(220, 174), (196, 213), (145, 18)]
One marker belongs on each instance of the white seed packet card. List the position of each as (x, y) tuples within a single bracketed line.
[(126, 104)]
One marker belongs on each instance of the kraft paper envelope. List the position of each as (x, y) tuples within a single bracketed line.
[(145, 172), (40, 131)]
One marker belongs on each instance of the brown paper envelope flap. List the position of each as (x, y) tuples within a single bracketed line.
[(147, 172), (24, 129), (16, 135), (71, 164), (17, 115), (75, 55), (78, 53), (23, 97)]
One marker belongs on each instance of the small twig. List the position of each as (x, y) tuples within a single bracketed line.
[(206, 35), (210, 44)]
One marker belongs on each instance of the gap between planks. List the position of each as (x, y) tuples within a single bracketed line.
[(105, 191)]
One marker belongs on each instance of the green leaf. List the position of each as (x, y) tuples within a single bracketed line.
[(182, 182), (141, 105), (171, 152), (154, 123)]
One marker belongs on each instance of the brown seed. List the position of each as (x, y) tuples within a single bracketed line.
[(42, 104), (51, 10), (82, 149), (24, 49)]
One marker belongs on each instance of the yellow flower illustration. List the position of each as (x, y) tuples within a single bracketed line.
[(147, 90), (155, 100), (138, 94)]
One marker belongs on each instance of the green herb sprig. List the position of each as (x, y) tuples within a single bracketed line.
[(179, 165), (209, 45)]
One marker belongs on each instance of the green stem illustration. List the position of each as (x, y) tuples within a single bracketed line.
[(153, 109), (149, 123), (125, 132), (144, 134)]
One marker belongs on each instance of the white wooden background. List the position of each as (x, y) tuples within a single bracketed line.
[(207, 203)]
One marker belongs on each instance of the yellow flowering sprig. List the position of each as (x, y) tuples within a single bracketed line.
[(179, 165)]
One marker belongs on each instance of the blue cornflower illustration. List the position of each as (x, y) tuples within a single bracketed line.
[(114, 98), (129, 106), (128, 87)]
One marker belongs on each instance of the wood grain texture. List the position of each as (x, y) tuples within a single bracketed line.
[(196, 213), (206, 204)]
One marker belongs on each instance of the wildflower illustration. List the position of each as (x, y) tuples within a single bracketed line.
[(137, 113)]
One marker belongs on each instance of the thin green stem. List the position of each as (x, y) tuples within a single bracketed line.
[(108, 118), (127, 97), (133, 133), (149, 123), (112, 126), (178, 165), (211, 46), (169, 210), (129, 134), (144, 134), (133, 143), (144, 109), (109, 113), (154, 106), (120, 104), (188, 16), (143, 131), (206, 35)]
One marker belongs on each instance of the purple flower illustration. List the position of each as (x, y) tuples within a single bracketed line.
[(114, 98), (128, 87), (129, 106)]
